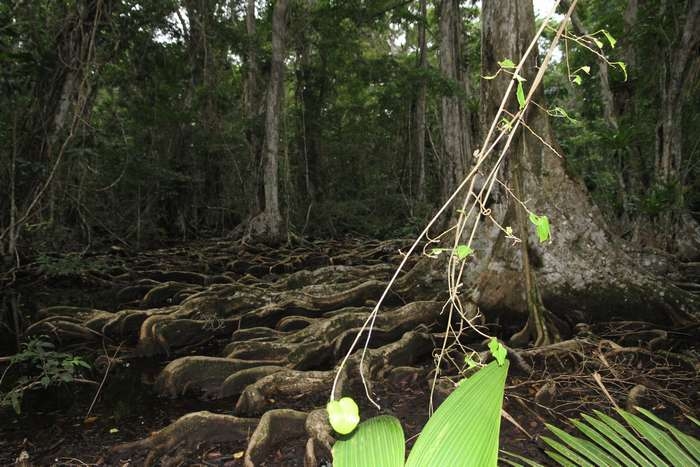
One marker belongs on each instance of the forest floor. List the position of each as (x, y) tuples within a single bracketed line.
[(632, 363)]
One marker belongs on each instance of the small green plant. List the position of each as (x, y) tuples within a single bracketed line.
[(68, 265), (44, 367), (463, 431)]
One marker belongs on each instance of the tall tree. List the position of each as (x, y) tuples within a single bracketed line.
[(251, 102), (455, 137), (421, 98), (270, 225), (583, 268)]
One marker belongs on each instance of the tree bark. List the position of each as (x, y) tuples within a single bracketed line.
[(251, 106), (673, 81), (269, 226), (453, 139), (421, 100), (582, 274)]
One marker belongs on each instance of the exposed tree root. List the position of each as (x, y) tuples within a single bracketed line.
[(275, 332), (187, 432), (275, 427)]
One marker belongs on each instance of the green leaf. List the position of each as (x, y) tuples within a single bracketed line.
[(577, 80), (344, 415), (464, 429), (658, 438), (436, 251), (618, 440), (492, 76), (498, 351), (630, 438), (567, 453), (522, 459), (541, 225), (462, 251), (610, 38), (509, 231), (378, 442), (601, 441), (598, 42), (470, 362), (561, 113), (586, 69), (623, 67), (691, 444), (520, 93), (506, 63)]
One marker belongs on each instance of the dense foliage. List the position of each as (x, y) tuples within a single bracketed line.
[(125, 123)]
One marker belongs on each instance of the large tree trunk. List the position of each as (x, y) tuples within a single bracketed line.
[(582, 273), (269, 226)]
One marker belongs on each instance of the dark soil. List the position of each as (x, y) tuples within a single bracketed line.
[(53, 428)]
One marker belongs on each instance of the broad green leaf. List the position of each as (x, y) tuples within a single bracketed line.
[(520, 93), (464, 429), (577, 80), (506, 63), (462, 251), (658, 438), (498, 351), (378, 442), (541, 226), (610, 38), (585, 448), (693, 419), (343, 414)]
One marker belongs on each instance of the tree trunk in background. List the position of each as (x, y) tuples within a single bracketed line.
[(311, 90), (582, 274), (421, 100), (673, 81), (680, 56), (453, 157), (48, 123), (269, 226), (251, 101)]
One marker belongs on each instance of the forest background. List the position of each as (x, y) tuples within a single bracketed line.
[(136, 123)]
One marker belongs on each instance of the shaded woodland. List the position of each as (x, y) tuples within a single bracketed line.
[(202, 201)]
